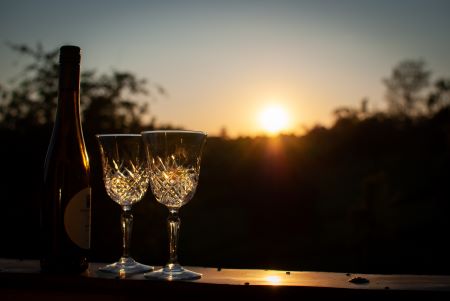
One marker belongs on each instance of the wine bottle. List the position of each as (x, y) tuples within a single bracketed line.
[(65, 205)]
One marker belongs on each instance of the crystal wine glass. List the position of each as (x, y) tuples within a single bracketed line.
[(174, 164), (126, 180)]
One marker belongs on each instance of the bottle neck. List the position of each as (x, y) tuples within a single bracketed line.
[(69, 75), (67, 128), (69, 92)]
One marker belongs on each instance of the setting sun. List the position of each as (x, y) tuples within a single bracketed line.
[(274, 119)]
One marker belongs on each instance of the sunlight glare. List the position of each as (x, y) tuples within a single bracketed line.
[(274, 280), (274, 119)]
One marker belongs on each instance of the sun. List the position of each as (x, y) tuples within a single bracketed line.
[(274, 119)]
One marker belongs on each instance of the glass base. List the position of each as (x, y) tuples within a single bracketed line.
[(126, 266), (173, 272)]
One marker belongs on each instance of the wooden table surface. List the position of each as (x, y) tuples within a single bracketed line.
[(22, 280)]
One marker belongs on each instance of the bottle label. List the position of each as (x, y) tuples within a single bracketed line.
[(77, 218)]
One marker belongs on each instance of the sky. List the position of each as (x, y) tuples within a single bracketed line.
[(223, 62)]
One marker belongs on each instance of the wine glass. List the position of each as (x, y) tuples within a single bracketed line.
[(126, 180), (174, 164)]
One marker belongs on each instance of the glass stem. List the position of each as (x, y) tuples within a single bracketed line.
[(173, 224), (127, 226)]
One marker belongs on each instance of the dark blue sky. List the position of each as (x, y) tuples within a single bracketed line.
[(223, 61)]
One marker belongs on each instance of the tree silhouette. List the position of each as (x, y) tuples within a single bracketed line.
[(31, 101), (108, 102), (408, 94), (404, 87), (439, 98), (349, 113)]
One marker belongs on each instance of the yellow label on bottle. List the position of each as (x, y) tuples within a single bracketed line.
[(77, 219)]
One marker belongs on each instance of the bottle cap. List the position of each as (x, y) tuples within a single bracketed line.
[(70, 53)]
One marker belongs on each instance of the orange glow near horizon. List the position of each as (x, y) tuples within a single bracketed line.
[(274, 119)]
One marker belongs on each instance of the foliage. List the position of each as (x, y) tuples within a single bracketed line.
[(439, 97), (408, 94), (108, 101), (404, 85), (408, 90)]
